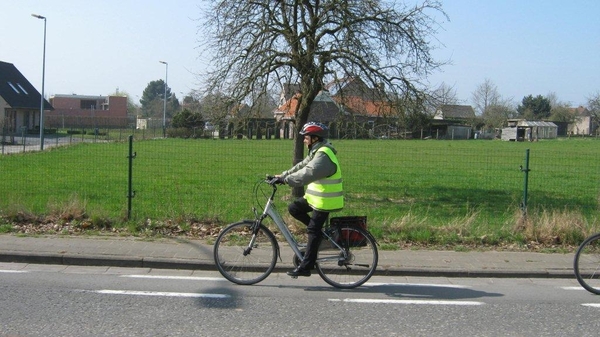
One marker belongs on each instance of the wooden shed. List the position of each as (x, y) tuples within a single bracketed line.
[(523, 130)]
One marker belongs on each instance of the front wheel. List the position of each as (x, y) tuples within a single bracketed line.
[(348, 258), (245, 258), (587, 264)]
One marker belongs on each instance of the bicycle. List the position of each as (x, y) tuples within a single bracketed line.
[(246, 252), (587, 264)]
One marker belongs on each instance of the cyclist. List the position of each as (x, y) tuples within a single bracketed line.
[(320, 171)]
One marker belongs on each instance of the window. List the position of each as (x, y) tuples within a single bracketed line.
[(14, 88), (88, 104), (22, 89)]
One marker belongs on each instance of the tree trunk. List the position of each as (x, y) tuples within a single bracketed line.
[(301, 119), (297, 192)]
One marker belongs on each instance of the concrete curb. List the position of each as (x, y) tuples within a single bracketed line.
[(188, 264)]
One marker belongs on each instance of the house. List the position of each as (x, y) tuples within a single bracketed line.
[(584, 123), (84, 111), (20, 104), (348, 106), (323, 109), (523, 130), (359, 101), (453, 122), (462, 113)]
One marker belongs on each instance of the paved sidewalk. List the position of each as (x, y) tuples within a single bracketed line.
[(181, 253)]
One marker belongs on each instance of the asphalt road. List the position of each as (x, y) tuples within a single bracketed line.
[(52, 300)]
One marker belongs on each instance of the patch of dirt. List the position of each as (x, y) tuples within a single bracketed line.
[(194, 230)]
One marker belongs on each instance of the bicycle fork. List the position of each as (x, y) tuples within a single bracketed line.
[(255, 230)]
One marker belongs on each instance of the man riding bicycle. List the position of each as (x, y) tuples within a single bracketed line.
[(320, 171)]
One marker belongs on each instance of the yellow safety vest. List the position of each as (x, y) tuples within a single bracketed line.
[(327, 194)]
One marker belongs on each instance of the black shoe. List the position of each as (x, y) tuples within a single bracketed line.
[(299, 272)]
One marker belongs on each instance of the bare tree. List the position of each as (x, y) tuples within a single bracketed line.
[(554, 100), (215, 107), (560, 111), (266, 43), (594, 108), (442, 95), (491, 106), (495, 116), (3, 130), (484, 96), (264, 102)]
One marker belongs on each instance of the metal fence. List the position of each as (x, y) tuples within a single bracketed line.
[(395, 177)]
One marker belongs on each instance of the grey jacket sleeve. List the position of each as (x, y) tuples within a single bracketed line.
[(309, 170)]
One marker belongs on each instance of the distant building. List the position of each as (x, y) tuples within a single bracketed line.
[(523, 130), (82, 111), (458, 113), (584, 124), (148, 123), (19, 104), (453, 122), (350, 108)]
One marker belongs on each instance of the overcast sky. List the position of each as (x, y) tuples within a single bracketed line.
[(524, 47)]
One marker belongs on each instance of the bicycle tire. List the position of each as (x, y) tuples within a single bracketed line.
[(587, 264), (360, 263), (234, 264)]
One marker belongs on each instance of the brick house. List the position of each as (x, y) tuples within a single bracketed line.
[(19, 104), (348, 106), (82, 111)]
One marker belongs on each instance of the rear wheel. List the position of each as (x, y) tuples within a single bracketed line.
[(348, 259), (241, 262), (587, 264)]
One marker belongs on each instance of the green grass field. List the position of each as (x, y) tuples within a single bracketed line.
[(430, 192)]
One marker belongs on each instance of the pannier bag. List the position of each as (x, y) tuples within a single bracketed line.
[(355, 239)]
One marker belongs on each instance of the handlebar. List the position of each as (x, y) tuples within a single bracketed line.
[(272, 180)]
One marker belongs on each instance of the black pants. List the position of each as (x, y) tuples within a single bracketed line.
[(299, 209)]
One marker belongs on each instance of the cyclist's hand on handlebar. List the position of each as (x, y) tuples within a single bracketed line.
[(277, 179)]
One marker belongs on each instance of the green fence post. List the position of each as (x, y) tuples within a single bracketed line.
[(130, 191), (525, 182)]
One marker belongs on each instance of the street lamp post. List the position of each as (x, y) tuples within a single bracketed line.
[(43, 80), (165, 99)]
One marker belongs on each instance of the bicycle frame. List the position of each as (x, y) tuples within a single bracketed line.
[(271, 211)]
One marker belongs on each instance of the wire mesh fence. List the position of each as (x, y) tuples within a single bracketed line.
[(209, 178)]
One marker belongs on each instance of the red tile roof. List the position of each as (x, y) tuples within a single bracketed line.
[(352, 98)]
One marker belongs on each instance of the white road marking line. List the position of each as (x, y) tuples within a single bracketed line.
[(428, 302), (572, 288), (594, 305), (12, 271), (375, 284), (159, 293), (166, 277)]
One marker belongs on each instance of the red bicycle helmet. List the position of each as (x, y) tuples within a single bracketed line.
[(314, 129)]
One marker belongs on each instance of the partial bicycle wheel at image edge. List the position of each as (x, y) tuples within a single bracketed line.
[(587, 264), (240, 262)]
